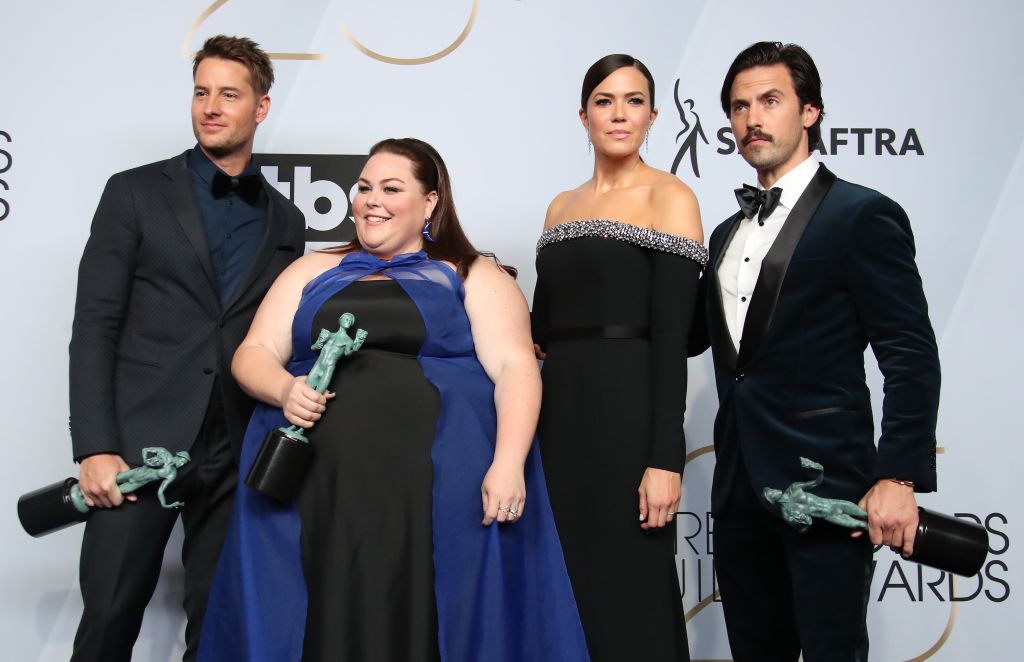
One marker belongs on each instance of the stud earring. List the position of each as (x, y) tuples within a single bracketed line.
[(426, 231)]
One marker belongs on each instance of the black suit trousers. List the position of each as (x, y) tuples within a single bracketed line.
[(783, 591), (123, 548)]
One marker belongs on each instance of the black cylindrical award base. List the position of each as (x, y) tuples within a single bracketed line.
[(49, 509), (280, 466), (949, 543)]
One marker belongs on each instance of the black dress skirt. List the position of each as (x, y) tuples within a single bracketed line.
[(365, 506)]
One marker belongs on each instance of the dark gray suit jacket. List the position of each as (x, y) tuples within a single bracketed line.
[(150, 334)]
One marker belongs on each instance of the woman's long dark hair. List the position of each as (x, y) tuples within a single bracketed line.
[(450, 242)]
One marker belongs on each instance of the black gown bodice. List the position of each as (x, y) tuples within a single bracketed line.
[(595, 281), (392, 321)]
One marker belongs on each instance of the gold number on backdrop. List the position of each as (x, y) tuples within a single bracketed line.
[(415, 60), (187, 51)]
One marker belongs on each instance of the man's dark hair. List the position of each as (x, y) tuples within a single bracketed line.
[(244, 51), (806, 80)]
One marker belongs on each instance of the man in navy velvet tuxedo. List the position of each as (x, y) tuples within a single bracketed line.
[(810, 272), (180, 255)]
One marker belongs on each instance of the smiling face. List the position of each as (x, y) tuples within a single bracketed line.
[(769, 121), (619, 113), (226, 108), (391, 207)]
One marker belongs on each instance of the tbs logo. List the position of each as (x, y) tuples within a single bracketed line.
[(321, 186)]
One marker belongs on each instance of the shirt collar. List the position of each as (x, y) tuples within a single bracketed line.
[(205, 169), (795, 181)]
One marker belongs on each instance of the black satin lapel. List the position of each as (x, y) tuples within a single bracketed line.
[(775, 264), (271, 240), (719, 329), (181, 199)]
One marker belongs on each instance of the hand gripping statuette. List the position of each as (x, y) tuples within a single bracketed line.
[(947, 543), (285, 455), (62, 504)]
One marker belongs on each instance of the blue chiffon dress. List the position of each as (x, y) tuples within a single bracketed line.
[(383, 556)]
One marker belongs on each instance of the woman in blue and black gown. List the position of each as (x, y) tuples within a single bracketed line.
[(617, 267), (410, 539)]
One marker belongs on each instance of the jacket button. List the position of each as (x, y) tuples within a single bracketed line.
[(207, 371), (740, 377)]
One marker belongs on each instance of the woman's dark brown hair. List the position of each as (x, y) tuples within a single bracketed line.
[(449, 241), (608, 65)]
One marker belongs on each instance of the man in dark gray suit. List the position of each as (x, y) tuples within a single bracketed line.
[(179, 257), (811, 271)]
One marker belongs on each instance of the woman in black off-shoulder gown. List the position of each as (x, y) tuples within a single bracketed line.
[(612, 310)]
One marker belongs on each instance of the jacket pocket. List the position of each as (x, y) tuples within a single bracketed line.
[(811, 413), (137, 361)]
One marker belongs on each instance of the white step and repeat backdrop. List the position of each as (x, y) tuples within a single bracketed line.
[(922, 101)]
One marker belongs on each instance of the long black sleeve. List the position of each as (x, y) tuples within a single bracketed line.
[(700, 335), (674, 294), (539, 316)]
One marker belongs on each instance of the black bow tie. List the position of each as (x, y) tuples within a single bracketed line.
[(247, 187), (752, 199)]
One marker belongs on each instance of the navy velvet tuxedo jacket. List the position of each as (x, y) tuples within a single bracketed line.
[(840, 276), (150, 333)]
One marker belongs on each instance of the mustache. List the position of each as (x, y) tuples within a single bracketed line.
[(757, 134)]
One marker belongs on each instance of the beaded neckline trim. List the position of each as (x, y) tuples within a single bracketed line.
[(633, 234)]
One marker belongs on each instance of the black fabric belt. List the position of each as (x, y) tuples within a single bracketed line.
[(609, 332)]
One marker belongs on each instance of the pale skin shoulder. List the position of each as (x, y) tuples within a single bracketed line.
[(258, 364), (557, 208), (675, 209), (655, 199), (500, 324)]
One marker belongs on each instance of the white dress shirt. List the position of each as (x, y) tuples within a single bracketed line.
[(741, 264)]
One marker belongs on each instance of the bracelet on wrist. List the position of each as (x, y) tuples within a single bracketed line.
[(905, 483)]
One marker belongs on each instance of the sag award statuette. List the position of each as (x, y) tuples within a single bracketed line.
[(282, 461), (56, 506), (943, 542)]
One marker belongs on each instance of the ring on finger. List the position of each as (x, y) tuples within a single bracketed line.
[(505, 509)]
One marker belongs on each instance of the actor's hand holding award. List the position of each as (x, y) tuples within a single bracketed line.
[(286, 453)]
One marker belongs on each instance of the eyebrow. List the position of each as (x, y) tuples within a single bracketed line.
[(389, 179), (627, 94), (767, 93), (229, 88)]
